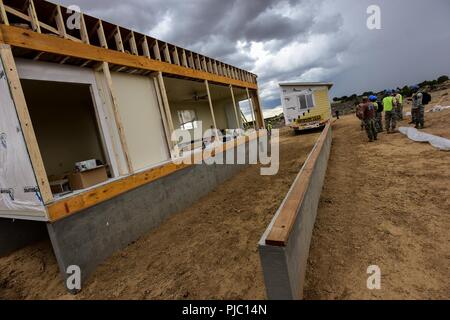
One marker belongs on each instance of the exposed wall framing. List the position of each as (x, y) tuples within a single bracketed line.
[(34, 15)]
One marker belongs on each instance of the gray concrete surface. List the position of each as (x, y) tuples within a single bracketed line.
[(86, 239), (16, 234), (284, 267)]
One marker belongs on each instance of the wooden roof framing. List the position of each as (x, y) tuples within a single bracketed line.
[(36, 29)]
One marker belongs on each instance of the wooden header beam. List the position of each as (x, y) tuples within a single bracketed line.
[(19, 37)]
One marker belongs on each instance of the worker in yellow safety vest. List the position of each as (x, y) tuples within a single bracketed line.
[(390, 113)]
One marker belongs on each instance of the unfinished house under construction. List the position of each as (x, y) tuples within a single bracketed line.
[(86, 117)]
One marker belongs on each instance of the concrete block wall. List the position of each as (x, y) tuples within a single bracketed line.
[(284, 267)]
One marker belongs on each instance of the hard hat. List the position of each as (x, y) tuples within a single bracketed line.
[(373, 98)]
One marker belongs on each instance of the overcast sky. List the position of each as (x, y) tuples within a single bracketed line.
[(300, 40)]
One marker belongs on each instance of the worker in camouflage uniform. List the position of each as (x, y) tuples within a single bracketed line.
[(378, 113), (420, 111), (367, 110)]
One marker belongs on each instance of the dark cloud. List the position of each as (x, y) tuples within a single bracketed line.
[(310, 40)]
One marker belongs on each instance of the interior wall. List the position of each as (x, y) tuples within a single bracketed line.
[(65, 123), (141, 119)]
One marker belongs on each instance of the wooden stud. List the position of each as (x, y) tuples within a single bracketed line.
[(165, 100), (25, 122), (216, 70), (33, 16), (101, 35), (83, 30), (162, 111), (235, 107), (260, 110), (107, 74), (133, 45), (176, 57), (198, 65), (145, 47), (118, 40), (251, 108), (60, 22), (184, 59), (204, 65), (210, 66), (167, 53), (3, 15), (156, 50), (191, 61), (211, 107)]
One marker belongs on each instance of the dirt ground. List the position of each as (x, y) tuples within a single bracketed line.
[(209, 251), (385, 203)]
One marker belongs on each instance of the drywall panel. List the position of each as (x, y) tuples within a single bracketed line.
[(19, 192), (141, 119)]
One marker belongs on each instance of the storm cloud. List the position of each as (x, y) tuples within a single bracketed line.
[(299, 40)]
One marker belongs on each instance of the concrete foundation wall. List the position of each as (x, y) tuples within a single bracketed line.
[(284, 267), (88, 238)]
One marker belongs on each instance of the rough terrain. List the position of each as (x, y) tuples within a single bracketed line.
[(387, 204)]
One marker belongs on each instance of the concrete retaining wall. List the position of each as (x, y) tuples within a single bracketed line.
[(284, 266)]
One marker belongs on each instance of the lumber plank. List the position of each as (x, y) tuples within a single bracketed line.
[(3, 15), (60, 22), (117, 118), (25, 122), (211, 107), (235, 107)]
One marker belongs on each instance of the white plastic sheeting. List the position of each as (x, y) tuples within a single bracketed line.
[(418, 136), (439, 108), (19, 193)]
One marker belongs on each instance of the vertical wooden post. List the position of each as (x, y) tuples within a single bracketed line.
[(33, 17), (260, 109), (133, 46), (118, 40), (157, 51), (165, 99), (60, 22), (251, 108), (83, 30), (211, 105), (145, 47), (3, 15), (25, 122), (117, 118), (164, 117), (235, 108), (101, 35)]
